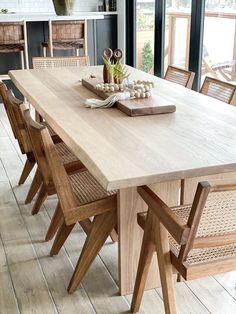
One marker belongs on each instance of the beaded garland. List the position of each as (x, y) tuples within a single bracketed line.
[(136, 89)]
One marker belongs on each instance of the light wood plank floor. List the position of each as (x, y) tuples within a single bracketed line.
[(33, 282)]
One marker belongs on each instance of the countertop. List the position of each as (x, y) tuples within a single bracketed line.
[(35, 17)]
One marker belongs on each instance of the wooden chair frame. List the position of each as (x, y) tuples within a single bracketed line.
[(157, 223), (11, 105), (68, 212), (188, 83)]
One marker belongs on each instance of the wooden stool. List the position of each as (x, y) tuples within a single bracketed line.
[(13, 38), (66, 35)]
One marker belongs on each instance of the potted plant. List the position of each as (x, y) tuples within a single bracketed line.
[(64, 7)]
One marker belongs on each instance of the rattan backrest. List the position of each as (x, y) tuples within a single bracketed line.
[(68, 30), (11, 33), (179, 76), (35, 133), (217, 89), (55, 62)]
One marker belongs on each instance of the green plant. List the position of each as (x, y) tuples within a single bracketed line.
[(147, 57), (119, 71)]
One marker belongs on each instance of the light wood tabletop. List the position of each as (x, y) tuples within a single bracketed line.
[(124, 152), (199, 138)]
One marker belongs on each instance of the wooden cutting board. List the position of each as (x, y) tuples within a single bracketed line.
[(135, 107)]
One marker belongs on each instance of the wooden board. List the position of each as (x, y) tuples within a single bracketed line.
[(135, 107)]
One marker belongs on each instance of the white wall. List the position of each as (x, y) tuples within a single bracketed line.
[(44, 5)]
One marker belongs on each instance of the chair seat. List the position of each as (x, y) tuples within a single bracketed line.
[(14, 47), (87, 189), (64, 45), (65, 153)]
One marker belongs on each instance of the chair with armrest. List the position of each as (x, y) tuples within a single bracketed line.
[(198, 239), (80, 197), (179, 76)]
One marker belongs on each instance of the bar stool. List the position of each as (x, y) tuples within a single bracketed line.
[(13, 38), (66, 35)]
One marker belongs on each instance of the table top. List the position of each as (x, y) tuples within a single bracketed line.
[(122, 151)]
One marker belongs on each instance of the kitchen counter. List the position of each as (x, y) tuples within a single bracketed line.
[(37, 17)]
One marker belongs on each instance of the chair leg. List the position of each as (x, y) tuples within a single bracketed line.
[(42, 195), (44, 52), (62, 235), (56, 222), (165, 267), (101, 228), (22, 60), (35, 185), (29, 164), (114, 235), (147, 250)]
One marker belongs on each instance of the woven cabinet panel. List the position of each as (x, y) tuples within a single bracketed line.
[(11, 33), (67, 31)]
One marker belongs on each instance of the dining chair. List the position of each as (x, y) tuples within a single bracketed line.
[(179, 76), (220, 90), (13, 39), (80, 197), (58, 62), (14, 108), (197, 240), (66, 35)]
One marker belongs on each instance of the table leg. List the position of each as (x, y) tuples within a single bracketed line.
[(130, 234)]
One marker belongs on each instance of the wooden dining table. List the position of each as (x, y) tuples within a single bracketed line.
[(168, 152)]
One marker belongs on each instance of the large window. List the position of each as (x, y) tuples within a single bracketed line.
[(219, 46), (209, 48), (145, 35)]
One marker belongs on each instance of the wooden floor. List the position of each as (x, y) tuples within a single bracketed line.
[(33, 282)]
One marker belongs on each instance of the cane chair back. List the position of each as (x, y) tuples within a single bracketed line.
[(56, 62), (218, 89), (202, 236), (179, 76)]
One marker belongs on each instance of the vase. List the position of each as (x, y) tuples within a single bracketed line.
[(64, 7)]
